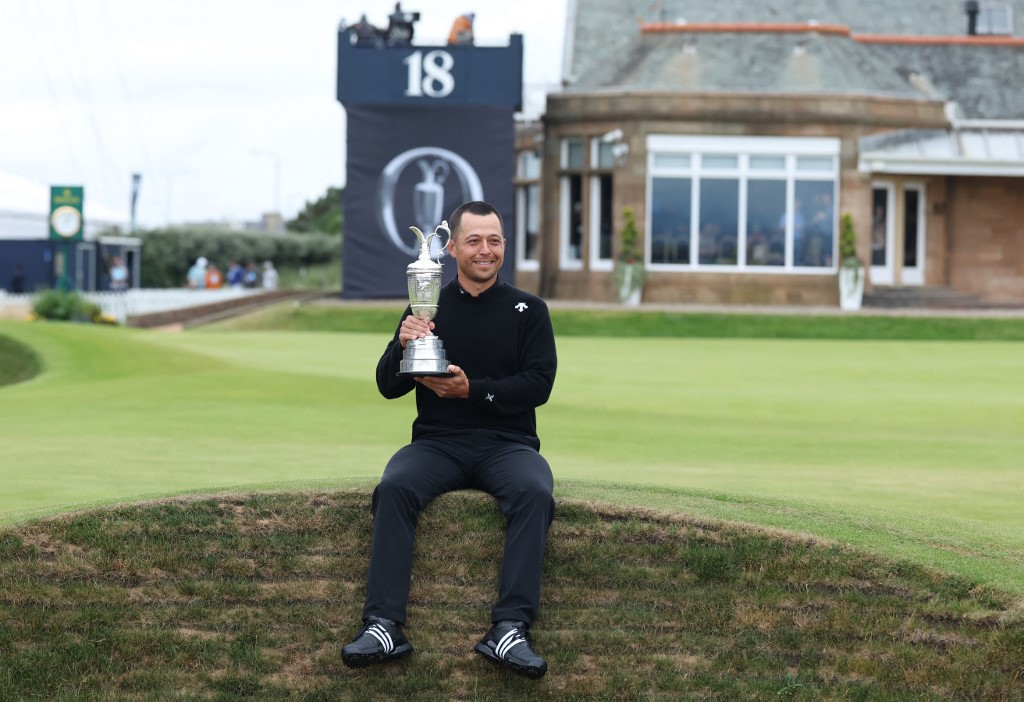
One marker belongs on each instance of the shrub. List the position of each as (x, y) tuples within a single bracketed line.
[(847, 238), (630, 252), (64, 305), (168, 253)]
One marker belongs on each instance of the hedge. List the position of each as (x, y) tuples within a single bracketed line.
[(168, 253)]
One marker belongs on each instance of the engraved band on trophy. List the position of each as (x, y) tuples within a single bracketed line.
[(425, 356)]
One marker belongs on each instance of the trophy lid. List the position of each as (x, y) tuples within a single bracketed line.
[(424, 263)]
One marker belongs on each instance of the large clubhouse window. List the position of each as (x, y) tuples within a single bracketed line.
[(586, 203), (527, 209), (601, 195), (571, 199), (742, 203)]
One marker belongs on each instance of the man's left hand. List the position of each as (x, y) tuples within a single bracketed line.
[(455, 387)]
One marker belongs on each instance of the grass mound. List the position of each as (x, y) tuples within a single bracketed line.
[(247, 595), (17, 362)]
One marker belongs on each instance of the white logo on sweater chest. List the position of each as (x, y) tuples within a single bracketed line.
[(522, 306)]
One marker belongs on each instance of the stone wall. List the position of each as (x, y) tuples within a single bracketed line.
[(986, 241)]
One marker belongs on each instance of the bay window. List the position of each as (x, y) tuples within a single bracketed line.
[(761, 204)]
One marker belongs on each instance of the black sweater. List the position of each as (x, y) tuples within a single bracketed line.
[(502, 339)]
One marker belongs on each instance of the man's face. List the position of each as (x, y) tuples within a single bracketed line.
[(479, 249)]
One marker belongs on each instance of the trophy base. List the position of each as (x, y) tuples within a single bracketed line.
[(423, 374), (424, 357)]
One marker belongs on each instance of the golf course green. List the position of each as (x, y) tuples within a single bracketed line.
[(910, 449)]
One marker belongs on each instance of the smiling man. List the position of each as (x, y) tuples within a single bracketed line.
[(476, 429)]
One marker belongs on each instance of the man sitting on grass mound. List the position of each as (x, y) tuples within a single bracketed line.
[(476, 429)]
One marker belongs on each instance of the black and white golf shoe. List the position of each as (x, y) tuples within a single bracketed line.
[(509, 644), (379, 641)]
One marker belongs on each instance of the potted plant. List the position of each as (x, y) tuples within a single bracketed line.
[(629, 265), (851, 270)]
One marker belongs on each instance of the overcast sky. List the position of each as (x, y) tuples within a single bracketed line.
[(210, 100)]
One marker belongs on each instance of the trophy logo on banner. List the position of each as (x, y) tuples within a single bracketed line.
[(428, 195), (442, 173), (425, 356)]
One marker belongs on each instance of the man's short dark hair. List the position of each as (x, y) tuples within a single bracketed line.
[(474, 207)]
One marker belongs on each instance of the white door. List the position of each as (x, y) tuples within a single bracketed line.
[(897, 233), (883, 231), (912, 271)]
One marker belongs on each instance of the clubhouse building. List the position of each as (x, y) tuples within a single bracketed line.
[(739, 133)]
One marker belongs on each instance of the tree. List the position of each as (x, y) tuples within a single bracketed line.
[(323, 215)]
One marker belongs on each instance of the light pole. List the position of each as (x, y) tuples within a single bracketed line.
[(136, 181)]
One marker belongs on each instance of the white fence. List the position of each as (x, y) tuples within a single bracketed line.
[(134, 301)]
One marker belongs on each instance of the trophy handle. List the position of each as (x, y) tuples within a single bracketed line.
[(425, 240), (444, 247)]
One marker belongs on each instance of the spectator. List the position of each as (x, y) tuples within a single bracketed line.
[(251, 279), (462, 30), (269, 276), (400, 26), (214, 279), (118, 275), (236, 275), (196, 275), (366, 34)]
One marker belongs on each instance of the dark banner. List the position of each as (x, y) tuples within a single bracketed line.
[(430, 75), (413, 167)]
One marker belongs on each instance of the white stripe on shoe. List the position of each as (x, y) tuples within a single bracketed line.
[(507, 642), (381, 634)]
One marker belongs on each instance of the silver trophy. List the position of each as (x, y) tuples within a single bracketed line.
[(425, 356)]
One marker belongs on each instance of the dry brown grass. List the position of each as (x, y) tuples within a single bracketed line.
[(254, 595)]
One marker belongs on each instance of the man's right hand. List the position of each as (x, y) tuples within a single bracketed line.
[(414, 328)]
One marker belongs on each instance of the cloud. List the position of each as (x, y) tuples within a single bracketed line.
[(225, 107)]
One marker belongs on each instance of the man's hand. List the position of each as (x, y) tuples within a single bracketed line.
[(414, 328), (456, 387)]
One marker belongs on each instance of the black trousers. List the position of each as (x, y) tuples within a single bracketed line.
[(500, 464)]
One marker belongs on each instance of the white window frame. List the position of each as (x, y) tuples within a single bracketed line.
[(986, 9), (883, 275), (914, 276), (565, 218), (594, 174), (697, 147), (524, 181), (566, 263), (522, 215), (594, 235)]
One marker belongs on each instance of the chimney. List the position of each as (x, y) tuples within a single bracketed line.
[(971, 7)]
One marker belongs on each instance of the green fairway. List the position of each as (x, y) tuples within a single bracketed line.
[(910, 448)]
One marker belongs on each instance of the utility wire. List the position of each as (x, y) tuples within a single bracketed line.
[(51, 90), (125, 90), (110, 168), (82, 93)]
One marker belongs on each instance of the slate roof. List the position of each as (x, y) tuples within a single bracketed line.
[(790, 63), (610, 52), (985, 81), (906, 17)]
